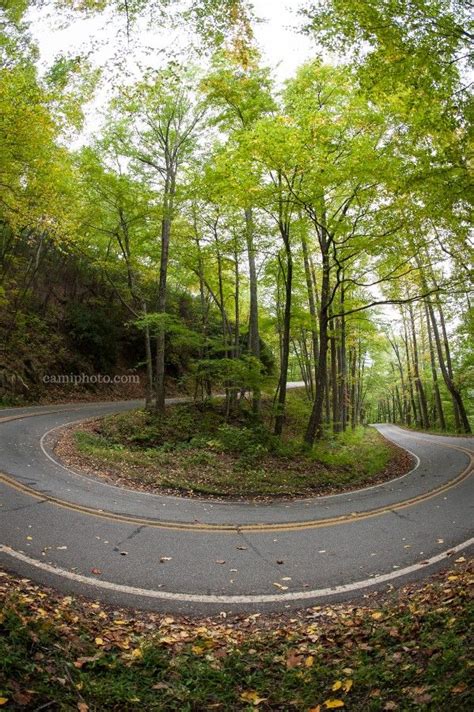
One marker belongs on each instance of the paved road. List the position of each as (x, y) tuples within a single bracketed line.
[(199, 556)]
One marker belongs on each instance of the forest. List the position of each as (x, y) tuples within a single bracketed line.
[(236, 355), (219, 231)]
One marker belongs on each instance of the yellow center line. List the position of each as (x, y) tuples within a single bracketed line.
[(235, 528)]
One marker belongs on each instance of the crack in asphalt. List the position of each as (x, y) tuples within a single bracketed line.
[(24, 506), (297, 552), (132, 535)]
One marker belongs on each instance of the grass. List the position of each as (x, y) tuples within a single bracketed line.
[(409, 652), (193, 449)]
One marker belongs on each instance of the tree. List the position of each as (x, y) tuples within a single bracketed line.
[(158, 134)]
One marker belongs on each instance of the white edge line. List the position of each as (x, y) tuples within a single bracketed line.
[(206, 598), (322, 498)]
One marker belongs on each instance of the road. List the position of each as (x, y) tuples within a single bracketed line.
[(84, 536)]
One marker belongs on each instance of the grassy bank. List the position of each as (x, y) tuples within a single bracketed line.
[(409, 652), (194, 449)]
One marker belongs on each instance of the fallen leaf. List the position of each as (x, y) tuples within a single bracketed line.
[(309, 662), (82, 707), (97, 572), (282, 588), (89, 659), (22, 698), (165, 558), (220, 561), (391, 705), (333, 704), (293, 660), (459, 688), (377, 615), (337, 686), (252, 697), (347, 685), (99, 641)]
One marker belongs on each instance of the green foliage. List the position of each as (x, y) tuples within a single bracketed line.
[(196, 447), (48, 642), (362, 446), (93, 333), (244, 373)]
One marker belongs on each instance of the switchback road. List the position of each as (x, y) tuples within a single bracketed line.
[(80, 534)]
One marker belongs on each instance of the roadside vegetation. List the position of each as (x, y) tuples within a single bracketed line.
[(197, 448), (407, 652)]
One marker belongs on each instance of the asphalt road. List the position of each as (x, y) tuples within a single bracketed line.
[(82, 535)]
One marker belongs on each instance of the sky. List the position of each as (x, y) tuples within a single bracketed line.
[(283, 48), (102, 39)]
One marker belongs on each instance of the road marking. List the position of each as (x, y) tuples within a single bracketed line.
[(232, 528), (7, 418), (323, 498), (216, 598), (240, 527)]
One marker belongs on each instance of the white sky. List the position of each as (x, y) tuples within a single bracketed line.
[(282, 47), (102, 39)]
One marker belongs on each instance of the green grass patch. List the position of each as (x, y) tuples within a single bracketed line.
[(195, 449)]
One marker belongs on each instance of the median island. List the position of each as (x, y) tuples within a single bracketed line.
[(196, 449)]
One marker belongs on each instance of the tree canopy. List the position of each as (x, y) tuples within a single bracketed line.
[(243, 234)]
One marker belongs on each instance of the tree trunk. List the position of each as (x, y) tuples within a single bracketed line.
[(149, 366), (455, 394), (343, 367), (311, 302), (314, 428), (254, 334), (334, 385), (161, 336), (434, 373), (285, 350), (425, 419), (409, 373)]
